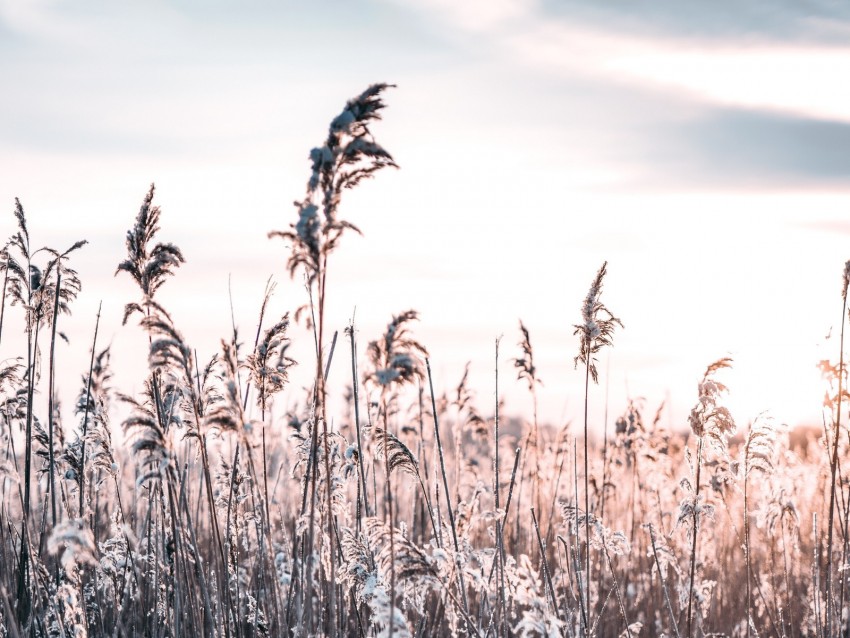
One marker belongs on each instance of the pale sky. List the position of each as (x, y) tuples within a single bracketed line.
[(702, 148)]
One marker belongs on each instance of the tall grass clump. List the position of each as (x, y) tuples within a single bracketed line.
[(211, 496), (39, 289)]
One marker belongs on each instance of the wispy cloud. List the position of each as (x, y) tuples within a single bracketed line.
[(30, 18), (740, 148), (779, 78), (772, 56)]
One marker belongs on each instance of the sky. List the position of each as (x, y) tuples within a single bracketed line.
[(701, 149)]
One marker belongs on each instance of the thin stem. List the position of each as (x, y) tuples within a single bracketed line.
[(507, 507), (546, 573), (86, 411), (694, 543), (833, 467), (787, 578), (663, 585), (321, 376), (617, 590), (448, 494), (388, 495), (51, 398), (747, 533), (500, 542), (577, 548), (3, 296), (355, 388), (562, 452), (587, 489), (605, 441)]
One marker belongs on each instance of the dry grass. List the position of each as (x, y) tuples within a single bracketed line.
[(410, 515)]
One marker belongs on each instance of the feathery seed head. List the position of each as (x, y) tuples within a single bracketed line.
[(846, 279), (597, 327), (525, 364), (349, 155), (708, 418), (269, 364), (77, 542), (397, 357), (400, 455), (149, 266)]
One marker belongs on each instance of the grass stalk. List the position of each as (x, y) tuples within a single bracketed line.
[(663, 584), (5, 256), (834, 459), (389, 511), (587, 494), (447, 492), (355, 389), (51, 469), (693, 561), (546, 573), (500, 541), (81, 508), (607, 555), (583, 599)]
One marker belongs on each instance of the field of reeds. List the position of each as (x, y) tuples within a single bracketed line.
[(410, 513)]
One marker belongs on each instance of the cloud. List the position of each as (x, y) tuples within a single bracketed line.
[(607, 96), (721, 21), (817, 22), (187, 79), (805, 81), (745, 148), (776, 56), (28, 18)]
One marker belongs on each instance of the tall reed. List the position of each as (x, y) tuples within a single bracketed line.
[(349, 155), (595, 332)]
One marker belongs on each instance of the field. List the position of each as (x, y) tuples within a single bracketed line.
[(409, 513)]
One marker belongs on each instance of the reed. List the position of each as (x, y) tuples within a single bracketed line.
[(595, 332), (236, 505)]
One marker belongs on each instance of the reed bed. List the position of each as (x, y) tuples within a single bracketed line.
[(412, 513)]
